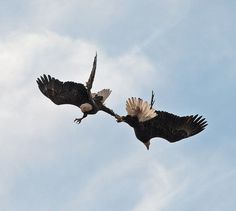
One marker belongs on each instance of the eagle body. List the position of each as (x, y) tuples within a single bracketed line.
[(149, 123), (76, 94)]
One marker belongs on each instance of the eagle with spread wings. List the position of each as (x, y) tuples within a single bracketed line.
[(76, 94), (149, 123)]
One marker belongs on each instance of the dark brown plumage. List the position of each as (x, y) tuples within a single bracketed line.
[(63, 92), (75, 94), (149, 123)]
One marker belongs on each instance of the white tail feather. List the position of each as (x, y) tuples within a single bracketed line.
[(104, 93), (141, 109)]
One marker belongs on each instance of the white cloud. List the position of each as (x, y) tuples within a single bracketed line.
[(131, 172), (24, 57), (29, 120), (114, 171), (31, 126), (162, 185)]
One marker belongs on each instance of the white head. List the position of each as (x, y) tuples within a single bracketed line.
[(139, 108), (86, 107)]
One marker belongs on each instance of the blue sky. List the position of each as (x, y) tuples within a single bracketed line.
[(184, 50)]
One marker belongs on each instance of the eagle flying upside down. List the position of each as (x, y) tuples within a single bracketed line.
[(149, 123), (76, 94)]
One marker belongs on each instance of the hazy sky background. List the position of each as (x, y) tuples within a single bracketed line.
[(184, 50)]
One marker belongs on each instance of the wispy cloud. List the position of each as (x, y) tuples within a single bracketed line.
[(30, 120), (184, 186), (158, 44), (169, 17)]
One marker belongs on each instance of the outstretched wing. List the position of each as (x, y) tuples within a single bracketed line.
[(62, 92), (89, 84), (174, 128)]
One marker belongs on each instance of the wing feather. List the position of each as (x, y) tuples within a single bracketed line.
[(62, 92), (104, 93), (174, 128), (92, 74)]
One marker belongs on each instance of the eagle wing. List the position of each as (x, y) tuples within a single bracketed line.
[(89, 84), (174, 128), (63, 92)]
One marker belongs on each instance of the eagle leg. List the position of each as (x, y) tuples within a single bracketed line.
[(78, 120)]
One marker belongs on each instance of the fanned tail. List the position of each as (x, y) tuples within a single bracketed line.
[(141, 109)]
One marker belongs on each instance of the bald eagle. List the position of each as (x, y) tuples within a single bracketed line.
[(149, 123), (76, 94)]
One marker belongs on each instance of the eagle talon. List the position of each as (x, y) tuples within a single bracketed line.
[(119, 118), (78, 121)]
